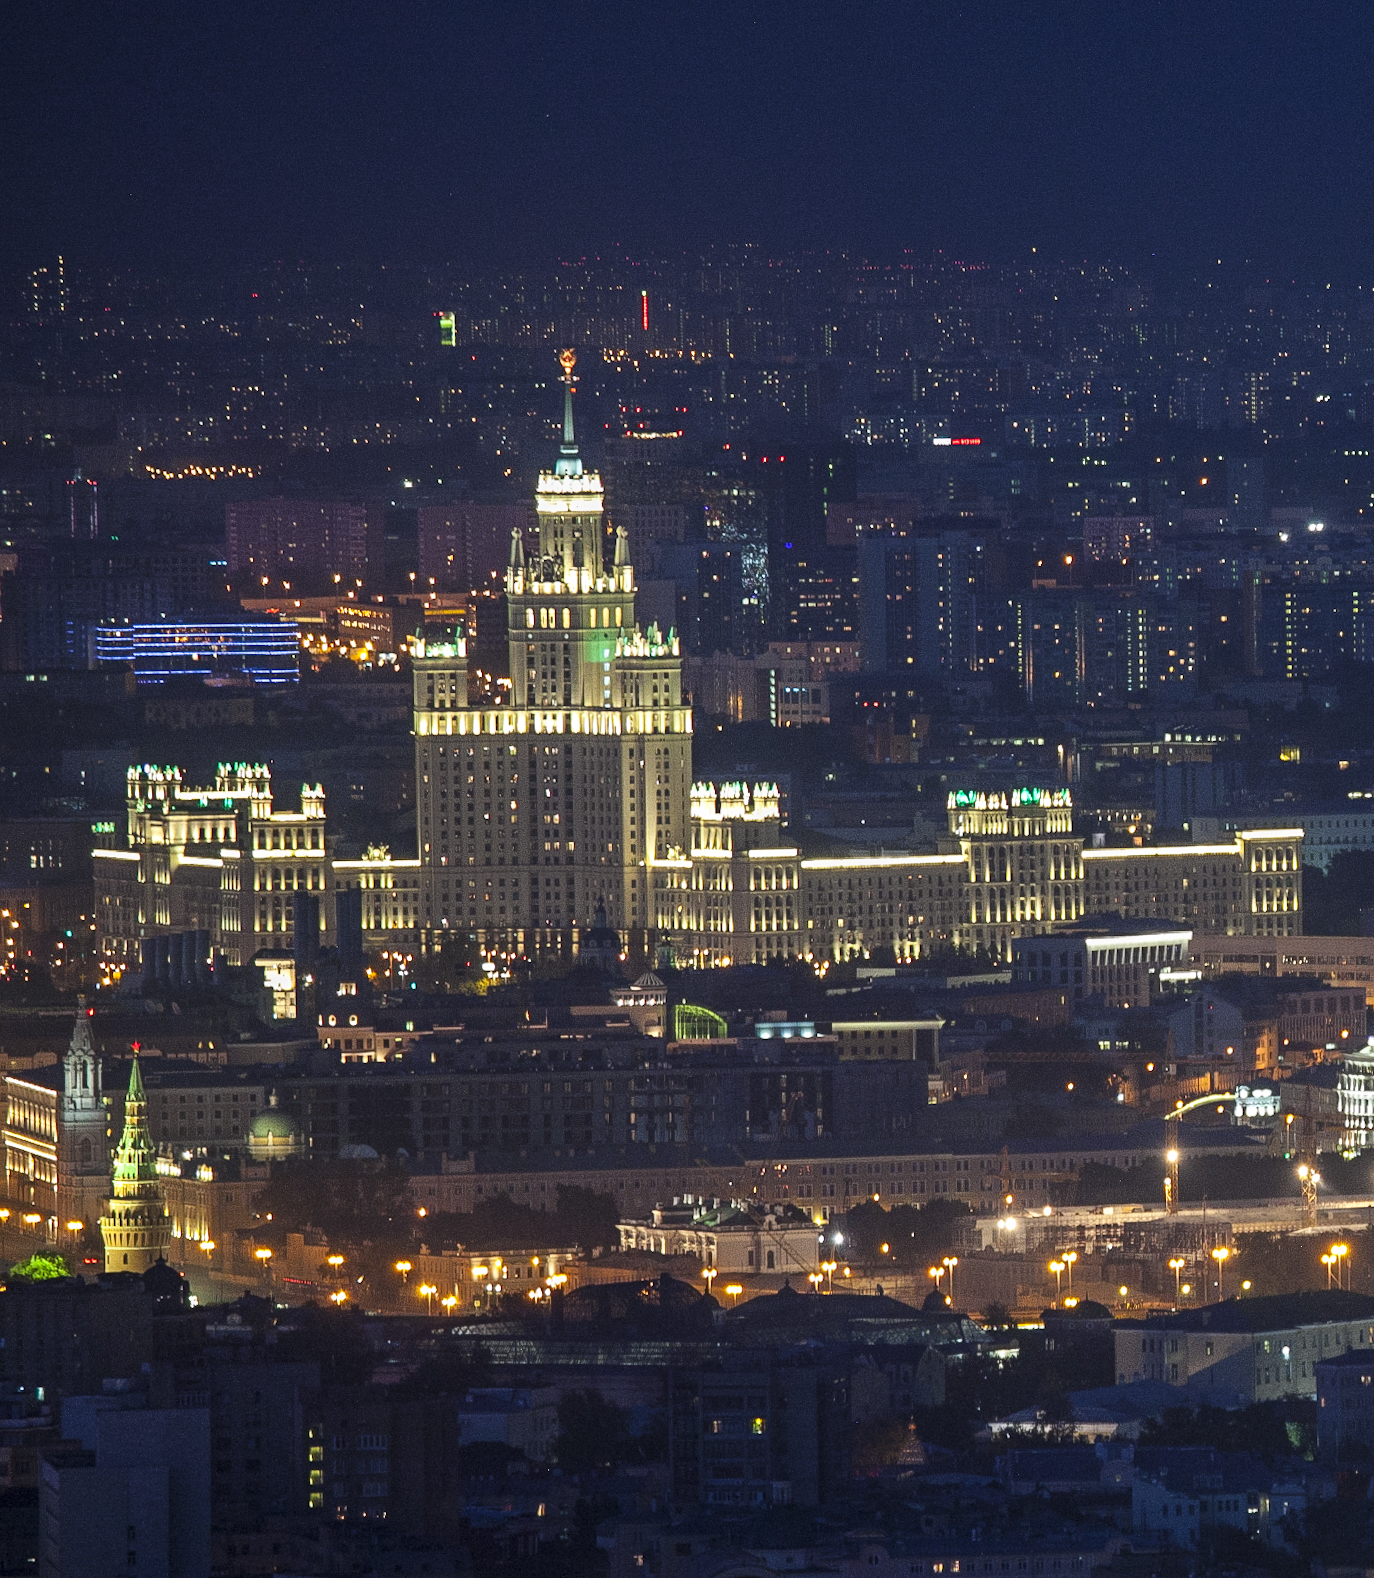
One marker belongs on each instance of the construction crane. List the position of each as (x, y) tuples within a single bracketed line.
[(1305, 1152), (1217, 1099)]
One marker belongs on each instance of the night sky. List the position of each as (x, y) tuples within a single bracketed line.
[(502, 132)]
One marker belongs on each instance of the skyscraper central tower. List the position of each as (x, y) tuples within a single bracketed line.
[(531, 814)]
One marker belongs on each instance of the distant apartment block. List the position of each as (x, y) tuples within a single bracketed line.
[(464, 546), (1117, 537), (309, 539)]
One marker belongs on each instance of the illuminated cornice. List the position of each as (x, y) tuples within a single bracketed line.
[(881, 862)]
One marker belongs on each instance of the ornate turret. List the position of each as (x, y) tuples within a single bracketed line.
[(135, 1227)]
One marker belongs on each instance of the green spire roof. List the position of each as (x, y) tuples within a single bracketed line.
[(136, 1159)]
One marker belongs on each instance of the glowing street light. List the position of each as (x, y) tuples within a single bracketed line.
[(815, 1279), (1339, 1252), (1057, 1266), (829, 1267), (339, 1297), (950, 1261), (1221, 1254), (76, 1227), (426, 1291), (734, 1289), (403, 1266), (708, 1276), (1176, 1265), (1069, 1260)]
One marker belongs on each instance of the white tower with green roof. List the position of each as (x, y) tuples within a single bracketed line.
[(136, 1228)]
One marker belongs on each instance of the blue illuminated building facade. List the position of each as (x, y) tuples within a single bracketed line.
[(266, 651)]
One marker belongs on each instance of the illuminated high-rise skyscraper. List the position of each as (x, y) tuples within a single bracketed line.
[(533, 813)]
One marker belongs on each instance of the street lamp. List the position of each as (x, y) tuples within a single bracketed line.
[(1221, 1254), (734, 1289), (451, 1300), (1057, 1266), (828, 1266), (1176, 1265), (339, 1297), (708, 1276), (426, 1291), (1069, 1260), (951, 1261), (76, 1227), (1339, 1252), (815, 1279), (403, 1266)]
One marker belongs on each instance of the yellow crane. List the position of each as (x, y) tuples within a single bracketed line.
[(1216, 1099)]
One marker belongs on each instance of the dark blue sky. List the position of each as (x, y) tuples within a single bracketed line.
[(501, 130)]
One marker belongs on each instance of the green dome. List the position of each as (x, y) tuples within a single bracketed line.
[(272, 1124), (272, 1133)]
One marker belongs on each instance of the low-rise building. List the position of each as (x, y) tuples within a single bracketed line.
[(524, 1418), (889, 1038), (1104, 956), (737, 1237), (1339, 961), (1179, 1492), (1345, 1405), (1248, 1350)]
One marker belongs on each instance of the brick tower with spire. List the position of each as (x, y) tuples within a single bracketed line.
[(83, 1151), (135, 1227)]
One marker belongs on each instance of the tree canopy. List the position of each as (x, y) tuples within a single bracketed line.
[(913, 1234), (41, 1267), (349, 1203)]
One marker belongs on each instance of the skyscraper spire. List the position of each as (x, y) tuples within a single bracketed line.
[(135, 1227), (567, 360), (569, 462)]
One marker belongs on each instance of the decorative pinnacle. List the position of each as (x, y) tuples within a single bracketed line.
[(567, 360)]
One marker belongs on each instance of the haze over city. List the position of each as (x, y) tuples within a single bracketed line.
[(686, 791)]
